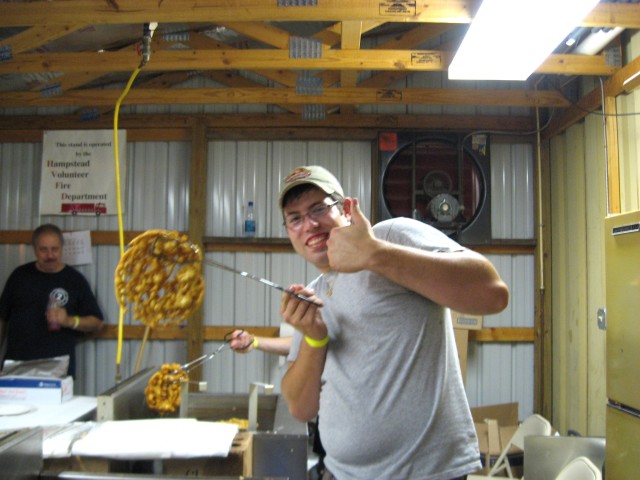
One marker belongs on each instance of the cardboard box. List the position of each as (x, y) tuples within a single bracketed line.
[(462, 323), (466, 321), (38, 390), (495, 425), (462, 344)]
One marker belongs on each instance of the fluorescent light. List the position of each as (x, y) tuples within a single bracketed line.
[(631, 83), (509, 39), (630, 79)]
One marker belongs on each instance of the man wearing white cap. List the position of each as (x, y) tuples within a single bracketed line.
[(377, 360)]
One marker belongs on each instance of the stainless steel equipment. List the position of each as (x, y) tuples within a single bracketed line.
[(126, 401), (277, 447), (21, 454), (134, 476), (547, 455)]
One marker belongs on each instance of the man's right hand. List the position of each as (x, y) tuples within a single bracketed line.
[(241, 341), (303, 316)]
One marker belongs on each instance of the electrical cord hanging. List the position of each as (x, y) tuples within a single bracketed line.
[(120, 223), (146, 54), (600, 112), (508, 132)]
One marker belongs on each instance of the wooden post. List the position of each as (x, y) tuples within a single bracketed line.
[(613, 160), (197, 219)]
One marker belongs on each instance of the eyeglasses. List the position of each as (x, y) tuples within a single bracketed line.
[(295, 222)]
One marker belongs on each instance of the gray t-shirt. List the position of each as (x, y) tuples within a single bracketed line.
[(392, 404)]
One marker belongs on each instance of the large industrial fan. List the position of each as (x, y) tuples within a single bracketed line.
[(440, 179)]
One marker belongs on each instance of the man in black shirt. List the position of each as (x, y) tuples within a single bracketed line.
[(46, 304)]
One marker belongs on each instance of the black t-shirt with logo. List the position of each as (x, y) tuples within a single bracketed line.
[(23, 306)]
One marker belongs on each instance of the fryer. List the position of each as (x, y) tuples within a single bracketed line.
[(275, 447)]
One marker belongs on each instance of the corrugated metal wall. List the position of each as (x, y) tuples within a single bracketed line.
[(503, 372), (156, 195)]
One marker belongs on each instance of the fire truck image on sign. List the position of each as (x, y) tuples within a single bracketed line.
[(76, 208)]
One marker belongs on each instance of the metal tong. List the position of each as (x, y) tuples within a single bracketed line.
[(187, 367)]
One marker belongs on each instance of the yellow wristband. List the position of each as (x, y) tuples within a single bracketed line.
[(76, 322), (255, 342), (316, 343)]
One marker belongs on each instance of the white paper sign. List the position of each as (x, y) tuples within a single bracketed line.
[(78, 172), (77, 248)]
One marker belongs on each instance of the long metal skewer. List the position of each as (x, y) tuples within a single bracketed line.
[(259, 279)]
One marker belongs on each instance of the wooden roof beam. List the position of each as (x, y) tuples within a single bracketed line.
[(63, 12), (16, 14), (29, 127), (274, 59), (352, 96), (351, 36), (36, 36)]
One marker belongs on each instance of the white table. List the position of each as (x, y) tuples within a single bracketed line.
[(78, 408)]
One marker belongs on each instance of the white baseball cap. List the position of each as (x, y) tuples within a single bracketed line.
[(314, 174)]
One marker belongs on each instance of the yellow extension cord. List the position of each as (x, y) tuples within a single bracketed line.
[(120, 224)]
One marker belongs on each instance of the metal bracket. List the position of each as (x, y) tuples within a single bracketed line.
[(308, 84), (176, 37), (297, 3), (613, 56), (602, 318), (52, 90), (303, 47), (313, 112), (6, 53), (89, 114)]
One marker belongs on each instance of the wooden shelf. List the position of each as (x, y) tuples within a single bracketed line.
[(267, 245), (239, 244), (216, 333), (179, 332)]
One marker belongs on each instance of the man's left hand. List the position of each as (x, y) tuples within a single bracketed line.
[(351, 246)]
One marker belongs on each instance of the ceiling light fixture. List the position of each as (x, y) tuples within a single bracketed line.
[(631, 83), (509, 39), (630, 79)]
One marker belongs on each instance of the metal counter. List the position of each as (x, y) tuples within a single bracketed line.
[(125, 476)]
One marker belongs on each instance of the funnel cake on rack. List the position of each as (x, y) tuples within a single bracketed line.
[(161, 276)]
